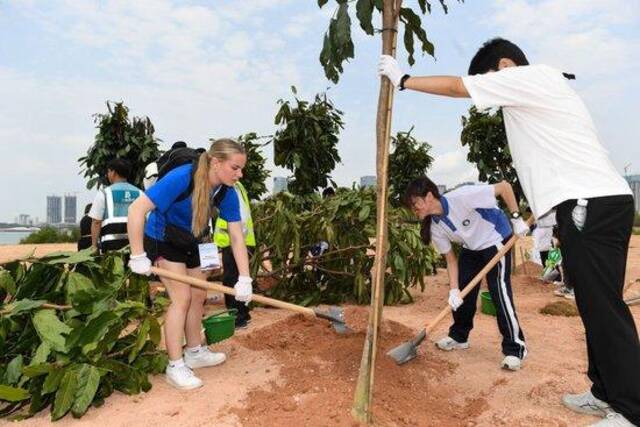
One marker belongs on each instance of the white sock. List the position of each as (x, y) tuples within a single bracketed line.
[(179, 363), (194, 350)]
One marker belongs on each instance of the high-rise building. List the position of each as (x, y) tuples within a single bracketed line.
[(634, 183), (54, 209), (279, 184), (367, 181), (70, 209), (24, 219)]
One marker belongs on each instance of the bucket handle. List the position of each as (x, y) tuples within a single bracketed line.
[(232, 311)]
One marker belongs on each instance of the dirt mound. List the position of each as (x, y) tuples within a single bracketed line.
[(529, 268), (560, 308), (319, 373)]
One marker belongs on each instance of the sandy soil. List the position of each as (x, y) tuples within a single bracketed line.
[(286, 369)]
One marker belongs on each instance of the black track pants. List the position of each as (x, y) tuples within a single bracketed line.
[(595, 263), (499, 280)]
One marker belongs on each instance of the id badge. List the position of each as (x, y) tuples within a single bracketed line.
[(209, 259)]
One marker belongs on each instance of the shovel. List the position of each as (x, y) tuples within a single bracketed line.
[(335, 314), (409, 350)]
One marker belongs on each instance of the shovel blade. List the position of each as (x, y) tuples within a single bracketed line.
[(336, 316), (407, 351)]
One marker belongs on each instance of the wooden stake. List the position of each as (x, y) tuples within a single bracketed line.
[(363, 398)]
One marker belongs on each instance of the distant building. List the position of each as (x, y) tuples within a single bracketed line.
[(367, 181), (24, 219), (634, 183), (279, 184), (70, 209), (54, 209), (441, 188)]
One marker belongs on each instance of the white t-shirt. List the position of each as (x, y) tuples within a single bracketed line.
[(552, 139), (470, 217)]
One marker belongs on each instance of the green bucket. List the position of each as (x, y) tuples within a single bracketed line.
[(486, 304), (220, 326)]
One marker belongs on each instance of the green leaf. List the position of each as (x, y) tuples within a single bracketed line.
[(22, 306), (141, 339), (88, 382), (364, 213), (7, 282), (14, 371), (364, 10), (51, 329), (13, 394), (41, 354), (36, 370), (52, 382), (66, 393)]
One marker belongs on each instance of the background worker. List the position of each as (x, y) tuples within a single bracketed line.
[(561, 164), (469, 215), (109, 209), (173, 238), (230, 270)]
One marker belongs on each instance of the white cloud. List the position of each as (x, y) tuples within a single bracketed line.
[(451, 168)]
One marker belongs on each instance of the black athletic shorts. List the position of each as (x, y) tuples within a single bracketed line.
[(157, 249)]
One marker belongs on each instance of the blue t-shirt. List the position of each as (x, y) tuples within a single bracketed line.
[(164, 194)]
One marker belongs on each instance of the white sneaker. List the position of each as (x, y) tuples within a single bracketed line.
[(182, 377), (614, 419), (511, 363), (570, 294), (586, 403), (203, 358), (448, 344)]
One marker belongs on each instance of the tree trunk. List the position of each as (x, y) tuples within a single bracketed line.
[(363, 399)]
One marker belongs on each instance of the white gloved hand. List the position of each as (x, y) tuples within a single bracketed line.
[(454, 299), (519, 227), (388, 67), (140, 264), (243, 289)]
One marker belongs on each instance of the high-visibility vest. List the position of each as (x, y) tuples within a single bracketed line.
[(221, 236), (118, 198)]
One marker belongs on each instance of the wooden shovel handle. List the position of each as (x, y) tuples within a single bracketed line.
[(203, 284), (478, 278)]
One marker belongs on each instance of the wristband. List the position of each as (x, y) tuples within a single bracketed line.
[(403, 80)]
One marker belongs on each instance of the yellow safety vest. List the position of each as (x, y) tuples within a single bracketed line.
[(221, 236)]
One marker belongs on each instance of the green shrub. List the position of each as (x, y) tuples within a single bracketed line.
[(50, 234)]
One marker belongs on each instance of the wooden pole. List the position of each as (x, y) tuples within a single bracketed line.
[(363, 398)]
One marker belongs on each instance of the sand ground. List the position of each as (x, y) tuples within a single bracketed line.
[(286, 369)]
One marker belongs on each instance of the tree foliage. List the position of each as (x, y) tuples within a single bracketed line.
[(50, 234), (254, 175), (289, 226), (337, 46), (74, 328), (306, 142), (410, 159), (484, 133), (119, 137)]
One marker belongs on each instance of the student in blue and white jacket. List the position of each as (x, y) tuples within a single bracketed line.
[(172, 239), (470, 216)]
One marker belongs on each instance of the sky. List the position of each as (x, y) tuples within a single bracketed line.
[(207, 69)]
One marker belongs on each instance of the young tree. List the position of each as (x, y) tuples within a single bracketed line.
[(483, 132), (306, 143), (410, 159), (119, 137)]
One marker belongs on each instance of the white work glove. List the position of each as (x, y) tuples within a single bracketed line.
[(243, 289), (140, 264), (454, 299), (388, 67), (519, 227)]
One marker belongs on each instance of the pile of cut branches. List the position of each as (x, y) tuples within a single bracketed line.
[(73, 328)]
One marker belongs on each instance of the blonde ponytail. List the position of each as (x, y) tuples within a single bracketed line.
[(221, 149)]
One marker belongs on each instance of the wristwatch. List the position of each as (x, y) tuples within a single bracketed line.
[(402, 81), (515, 215)]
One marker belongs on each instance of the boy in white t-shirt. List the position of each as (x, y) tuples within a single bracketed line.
[(560, 161)]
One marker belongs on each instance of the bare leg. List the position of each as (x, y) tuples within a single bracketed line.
[(193, 324), (175, 318)]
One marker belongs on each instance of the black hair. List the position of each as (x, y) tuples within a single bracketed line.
[(120, 166), (179, 144), (489, 55), (420, 187), (328, 192), (87, 208)]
